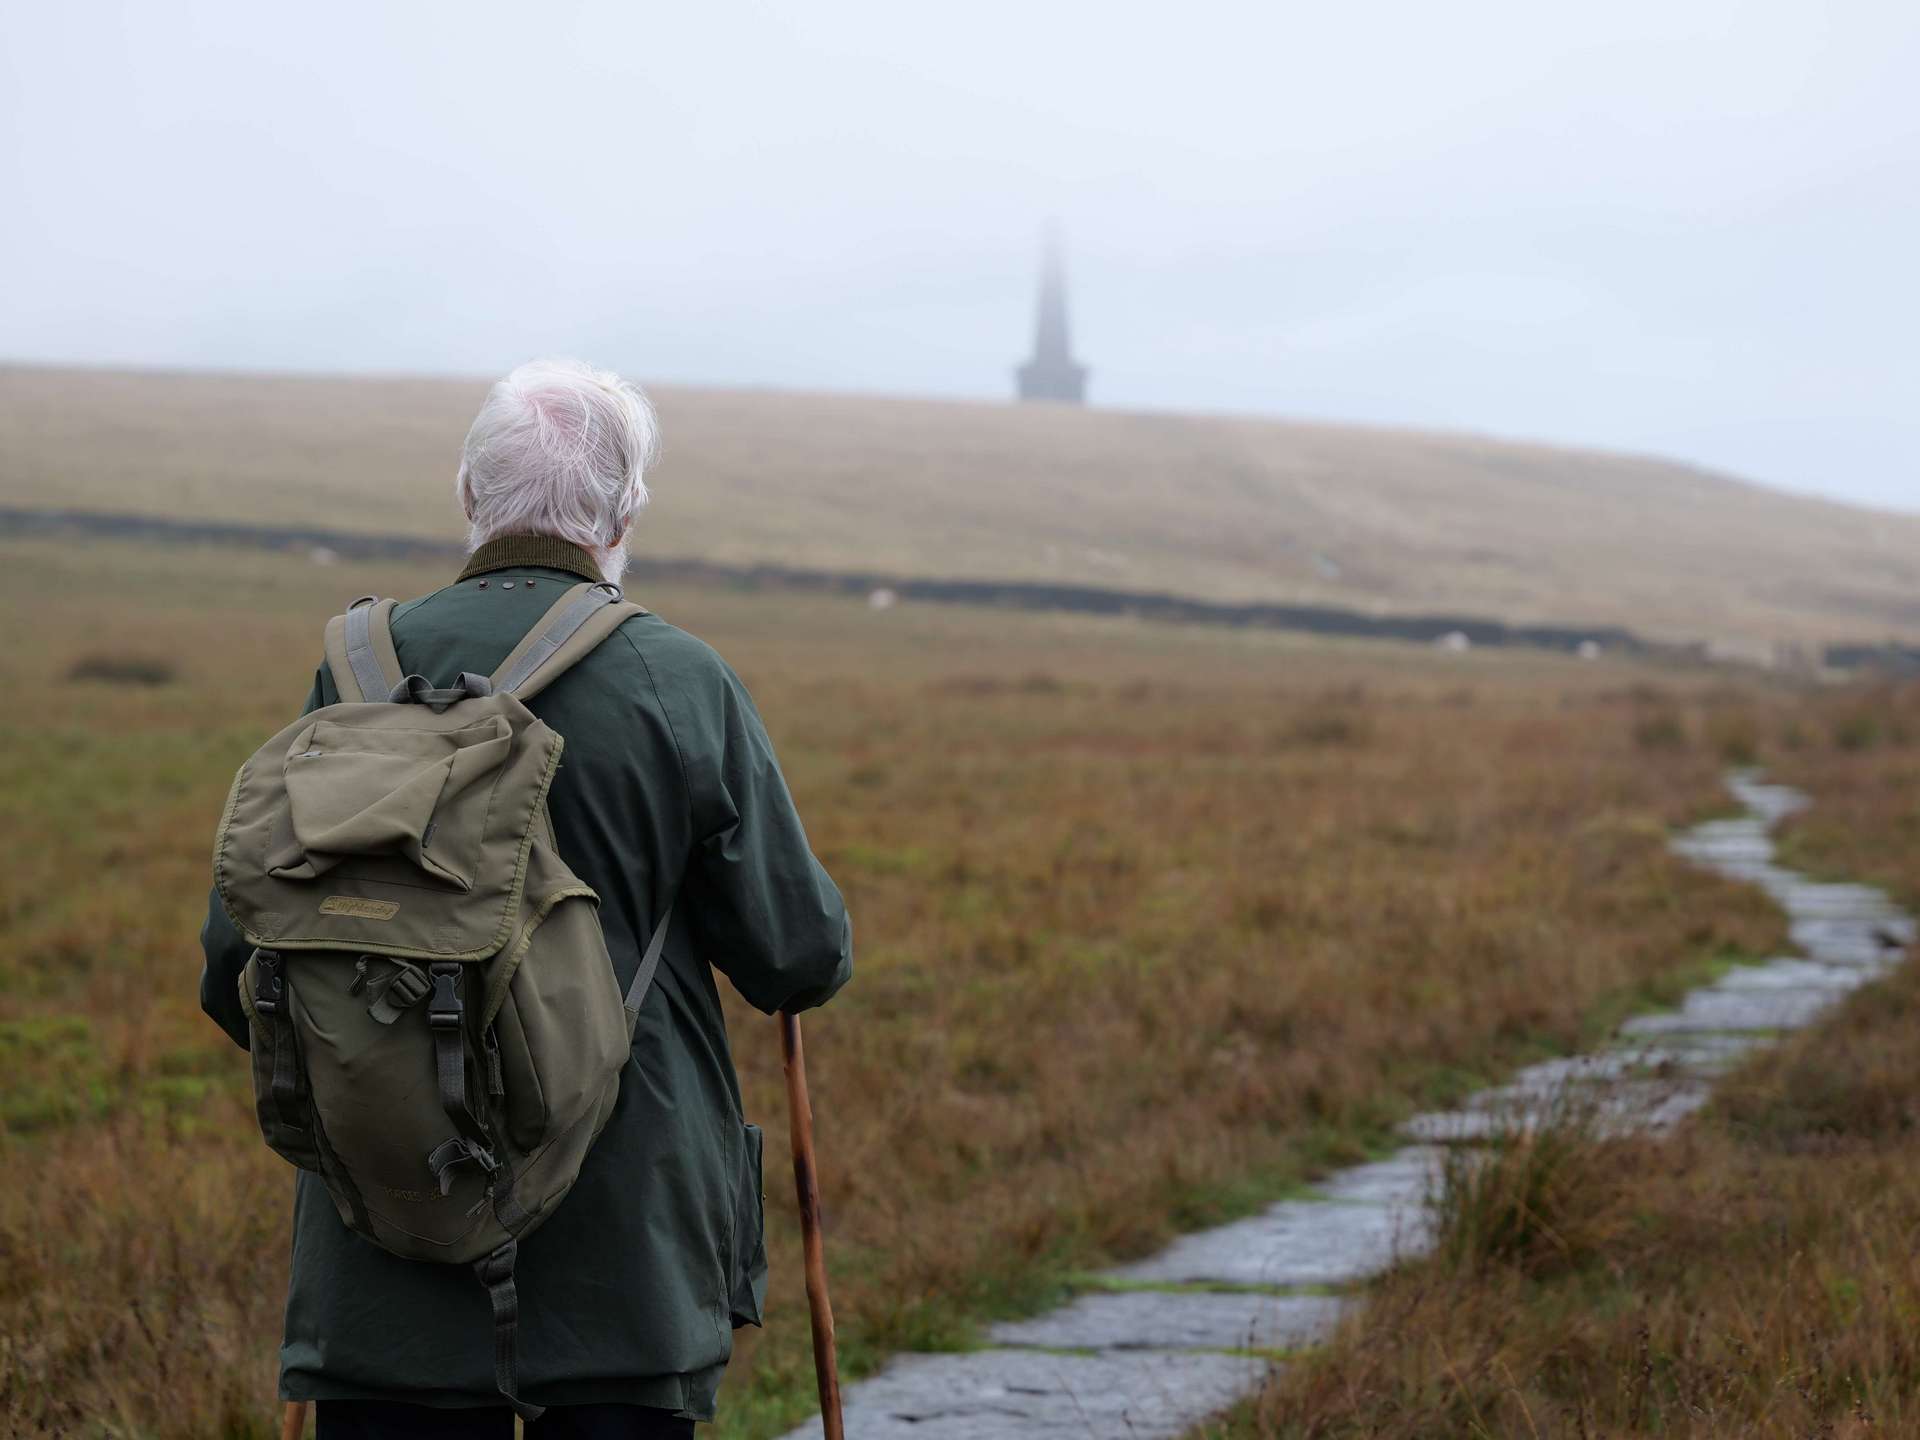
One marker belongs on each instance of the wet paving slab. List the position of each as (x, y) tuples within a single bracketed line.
[(1875, 942), (1405, 1179), (1177, 1320), (1720, 1009), (1789, 973), (1612, 1108), (1044, 1395), (1297, 1242), (1153, 1351)]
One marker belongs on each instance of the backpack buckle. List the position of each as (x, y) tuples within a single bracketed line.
[(268, 986), (444, 1008), (458, 1150)]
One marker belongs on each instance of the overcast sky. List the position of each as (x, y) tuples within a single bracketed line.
[(1680, 226)]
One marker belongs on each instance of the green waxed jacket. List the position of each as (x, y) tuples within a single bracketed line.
[(668, 792)]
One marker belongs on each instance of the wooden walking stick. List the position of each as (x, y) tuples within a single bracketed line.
[(806, 1182), (294, 1423)]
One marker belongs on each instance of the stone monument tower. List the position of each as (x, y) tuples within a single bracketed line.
[(1052, 373)]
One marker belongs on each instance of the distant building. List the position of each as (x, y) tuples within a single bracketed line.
[(1052, 373)]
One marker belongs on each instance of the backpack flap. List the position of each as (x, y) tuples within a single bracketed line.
[(360, 791), (388, 829)]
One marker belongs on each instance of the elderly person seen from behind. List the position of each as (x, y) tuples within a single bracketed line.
[(668, 795)]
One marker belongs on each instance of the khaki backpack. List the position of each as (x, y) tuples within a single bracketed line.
[(437, 1030)]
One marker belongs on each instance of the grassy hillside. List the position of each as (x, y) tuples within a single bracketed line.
[(1220, 508)]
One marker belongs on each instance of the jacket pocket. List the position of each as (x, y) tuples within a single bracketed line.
[(748, 1282)]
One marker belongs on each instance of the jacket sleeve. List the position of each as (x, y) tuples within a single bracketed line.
[(225, 948), (762, 909), (226, 954)]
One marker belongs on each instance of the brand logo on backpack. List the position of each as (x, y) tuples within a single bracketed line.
[(414, 1197), (360, 909)]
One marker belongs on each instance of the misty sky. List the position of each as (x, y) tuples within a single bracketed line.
[(1681, 226)]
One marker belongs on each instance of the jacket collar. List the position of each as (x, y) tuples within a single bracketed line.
[(545, 552)]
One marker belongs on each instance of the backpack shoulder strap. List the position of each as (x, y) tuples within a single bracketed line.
[(360, 651), (575, 623), (637, 987)]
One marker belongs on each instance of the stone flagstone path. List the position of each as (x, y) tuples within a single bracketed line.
[(1166, 1341)]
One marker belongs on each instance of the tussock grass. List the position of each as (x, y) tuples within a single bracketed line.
[(123, 669), (1134, 955), (1525, 1201)]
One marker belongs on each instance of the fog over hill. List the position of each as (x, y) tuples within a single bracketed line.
[(1213, 507)]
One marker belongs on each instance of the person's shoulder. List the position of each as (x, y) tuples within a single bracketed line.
[(686, 677), (673, 656), (418, 606)]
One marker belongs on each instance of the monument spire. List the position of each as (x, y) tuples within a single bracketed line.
[(1052, 373)]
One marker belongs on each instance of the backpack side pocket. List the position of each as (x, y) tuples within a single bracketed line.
[(281, 1099), (560, 1025)]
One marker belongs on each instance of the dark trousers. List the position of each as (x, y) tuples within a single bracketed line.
[(389, 1420)]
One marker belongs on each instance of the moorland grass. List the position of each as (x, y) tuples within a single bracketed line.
[(1755, 1276), (1153, 922)]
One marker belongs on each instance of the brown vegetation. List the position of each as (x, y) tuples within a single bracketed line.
[(1756, 1276), (1860, 753)]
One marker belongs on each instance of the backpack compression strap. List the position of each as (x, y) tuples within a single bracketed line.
[(360, 651), (496, 1273), (649, 962), (575, 623)]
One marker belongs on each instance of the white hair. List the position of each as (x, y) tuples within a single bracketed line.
[(559, 448)]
